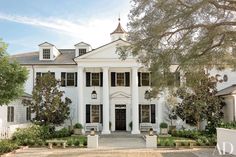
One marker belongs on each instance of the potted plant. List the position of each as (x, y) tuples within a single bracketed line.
[(130, 125), (164, 128), (78, 129)]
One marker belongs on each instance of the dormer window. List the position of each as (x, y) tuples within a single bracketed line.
[(82, 52), (46, 54)]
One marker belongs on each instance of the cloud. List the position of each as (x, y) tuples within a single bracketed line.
[(95, 31)]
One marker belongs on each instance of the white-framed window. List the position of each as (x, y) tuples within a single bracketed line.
[(10, 114), (95, 81), (145, 79), (46, 54), (120, 79), (145, 114), (40, 74), (68, 79), (82, 52), (28, 113)]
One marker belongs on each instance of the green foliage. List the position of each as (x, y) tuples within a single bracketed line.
[(229, 125), (200, 103), (47, 102), (7, 146), (64, 132), (163, 125), (78, 126), (191, 34), (12, 77), (131, 125)]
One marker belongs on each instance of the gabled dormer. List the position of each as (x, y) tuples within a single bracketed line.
[(48, 51), (82, 48)]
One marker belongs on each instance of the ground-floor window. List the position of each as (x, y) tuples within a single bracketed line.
[(147, 113), (28, 113), (10, 114), (93, 113)]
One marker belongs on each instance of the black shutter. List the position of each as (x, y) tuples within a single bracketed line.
[(139, 112), (113, 79), (101, 114), (87, 113), (63, 79), (177, 79), (127, 79), (88, 74), (150, 78), (101, 79), (139, 79), (153, 119), (76, 79)]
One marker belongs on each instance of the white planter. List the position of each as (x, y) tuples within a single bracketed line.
[(226, 140), (164, 131), (92, 141), (151, 141)]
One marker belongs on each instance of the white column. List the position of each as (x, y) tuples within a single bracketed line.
[(106, 104), (80, 87), (135, 101)]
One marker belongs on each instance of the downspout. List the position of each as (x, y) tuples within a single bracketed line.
[(33, 74)]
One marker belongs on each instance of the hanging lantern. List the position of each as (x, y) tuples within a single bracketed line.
[(94, 94), (147, 94)]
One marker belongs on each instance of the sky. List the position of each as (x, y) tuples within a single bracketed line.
[(24, 24)]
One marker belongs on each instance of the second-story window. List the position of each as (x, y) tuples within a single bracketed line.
[(68, 79), (120, 79), (95, 79), (144, 79), (46, 54)]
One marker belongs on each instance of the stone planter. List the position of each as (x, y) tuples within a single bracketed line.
[(92, 141), (77, 131), (226, 139), (164, 131)]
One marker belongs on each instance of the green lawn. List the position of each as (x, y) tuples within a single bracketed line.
[(75, 140)]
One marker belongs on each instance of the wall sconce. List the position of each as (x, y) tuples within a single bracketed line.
[(147, 94), (150, 132), (94, 95), (92, 132)]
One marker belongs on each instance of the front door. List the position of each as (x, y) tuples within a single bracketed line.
[(120, 118)]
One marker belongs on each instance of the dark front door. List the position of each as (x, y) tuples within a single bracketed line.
[(120, 119)]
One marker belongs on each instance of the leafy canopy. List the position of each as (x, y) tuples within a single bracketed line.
[(191, 34), (47, 103), (12, 77)]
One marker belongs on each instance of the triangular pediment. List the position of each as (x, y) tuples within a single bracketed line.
[(46, 44), (108, 51), (120, 94)]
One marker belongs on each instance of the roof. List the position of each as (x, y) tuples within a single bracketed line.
[(46, 43), (31, 58), (119, 29), (82, 43), (227, 91), (27, 95)]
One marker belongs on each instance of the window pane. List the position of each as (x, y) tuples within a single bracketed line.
[(82, 51), (63, 79), (28, 113), (46, 53), (145, 114), (10, 114), (70, 79), (145, 79), (95, 114), (120, 80), (95, 79)]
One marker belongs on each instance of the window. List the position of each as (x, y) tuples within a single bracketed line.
[(145, 79), (68, 79), (46, 53), (40, 74), (82, 52), (145, 113), (93, 113), (28, 113), (95, 79), (10, 114), (173, 79), (120, 79)]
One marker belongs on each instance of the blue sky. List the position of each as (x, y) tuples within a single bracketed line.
[(24, 24)]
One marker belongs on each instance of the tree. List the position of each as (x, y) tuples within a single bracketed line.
[(191, 34), (12, 77), (201, 103), (47, 101)]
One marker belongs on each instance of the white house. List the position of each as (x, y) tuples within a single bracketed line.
[(106, 91)]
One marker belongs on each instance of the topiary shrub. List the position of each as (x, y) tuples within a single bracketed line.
[(163, 125)]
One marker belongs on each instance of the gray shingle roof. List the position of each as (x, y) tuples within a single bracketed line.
[(66, 58), (227, 91)]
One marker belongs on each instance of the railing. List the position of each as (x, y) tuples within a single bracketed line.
[(4, 133)]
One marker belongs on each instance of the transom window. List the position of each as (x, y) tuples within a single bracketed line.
[(145, 113), (95, 79), (10, 114), (68, 79), (145, 79), (82, 52), (120, 79), (46, 54)]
